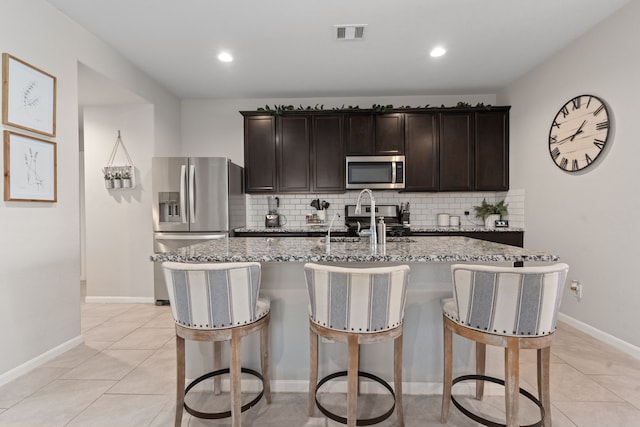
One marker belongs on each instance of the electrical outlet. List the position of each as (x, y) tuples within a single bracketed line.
[(576, 288)]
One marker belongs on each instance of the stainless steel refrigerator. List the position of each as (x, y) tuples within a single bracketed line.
[(194, 199)]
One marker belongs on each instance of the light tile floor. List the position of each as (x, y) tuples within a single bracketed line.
[(123, 375)]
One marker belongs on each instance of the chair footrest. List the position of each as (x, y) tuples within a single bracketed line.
[(360, 421), (485, 421), (225, 414)]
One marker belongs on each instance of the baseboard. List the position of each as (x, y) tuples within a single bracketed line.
[(615, 342), (39, 360), (120, 300)]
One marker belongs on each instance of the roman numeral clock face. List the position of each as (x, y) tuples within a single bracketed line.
[(579, 133)]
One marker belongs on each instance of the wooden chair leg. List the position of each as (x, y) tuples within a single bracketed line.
[(512, 381), (217, 363), (352, 380), (313, 371), (236, 401), (481, 357), (544, 356), (397, 378), (180, 373), (447, 376), (264, 350)]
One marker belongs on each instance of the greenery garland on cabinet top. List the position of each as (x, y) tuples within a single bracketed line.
[(279, 109)]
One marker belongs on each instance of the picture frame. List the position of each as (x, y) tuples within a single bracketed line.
[(28, 96), (30, 168)]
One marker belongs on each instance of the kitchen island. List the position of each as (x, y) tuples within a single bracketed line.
[(282, 260)]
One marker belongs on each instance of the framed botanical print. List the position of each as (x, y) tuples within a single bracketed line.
[(28, 96), (30, 169)]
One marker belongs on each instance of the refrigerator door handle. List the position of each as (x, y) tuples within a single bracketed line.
[(183, 193), (192, 193)]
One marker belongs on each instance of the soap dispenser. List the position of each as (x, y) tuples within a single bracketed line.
[(381, 231)]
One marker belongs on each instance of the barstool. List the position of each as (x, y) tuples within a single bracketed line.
[(356, 306), (218, 302), (511, 307)]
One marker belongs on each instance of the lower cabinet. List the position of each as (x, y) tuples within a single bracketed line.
[(513, 238)]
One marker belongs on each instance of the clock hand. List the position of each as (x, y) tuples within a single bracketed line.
[(579, 131), (571, 137)]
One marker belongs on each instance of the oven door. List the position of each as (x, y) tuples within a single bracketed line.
[(375, 172)]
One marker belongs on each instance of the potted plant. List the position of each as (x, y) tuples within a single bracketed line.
[(489, 213), (108, 179), (117, 180), (126, 179)]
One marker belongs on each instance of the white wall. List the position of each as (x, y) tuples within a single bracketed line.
[(39, 247), (590, 219), (118, 229)]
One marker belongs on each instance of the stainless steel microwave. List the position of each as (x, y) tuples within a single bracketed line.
[(375, 172)]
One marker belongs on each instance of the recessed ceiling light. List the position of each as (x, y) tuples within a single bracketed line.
[(225, 57), (438, 51)]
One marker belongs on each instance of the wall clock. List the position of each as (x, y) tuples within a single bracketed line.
[(579, 133)]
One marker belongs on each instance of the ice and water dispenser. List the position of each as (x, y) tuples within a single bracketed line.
[(169, 206)]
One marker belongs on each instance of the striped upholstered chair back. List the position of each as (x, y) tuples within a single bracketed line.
[(357, 299), (214, 296), (510, 301)]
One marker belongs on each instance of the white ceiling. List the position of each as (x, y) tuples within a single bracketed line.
[(287, 48)]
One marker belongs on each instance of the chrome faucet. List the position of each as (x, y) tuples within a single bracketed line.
[(372, 224), (328, 241)]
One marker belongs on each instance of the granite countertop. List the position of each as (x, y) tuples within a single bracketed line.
[(346, 249), (294, 229), (464, 229), (344, 229)]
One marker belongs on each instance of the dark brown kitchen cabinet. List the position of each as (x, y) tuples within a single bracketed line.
[(327, 158), (293, 148), (456, 151), (389, 134), (421, 151), (492, 150), (374, 134), (359, 137), (260, 154)]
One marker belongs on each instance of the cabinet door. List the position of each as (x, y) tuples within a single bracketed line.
[(327, 161), (421, 146), (260, 154), (294, 150), (456, 151), (389, 134), (492, 150), (359, 134)]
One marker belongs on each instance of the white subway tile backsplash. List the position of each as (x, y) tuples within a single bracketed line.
[(424, 207)]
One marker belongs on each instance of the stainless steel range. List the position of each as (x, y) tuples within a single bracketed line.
[(390, 213)]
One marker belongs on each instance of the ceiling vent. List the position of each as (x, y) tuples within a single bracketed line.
[(349, 32)]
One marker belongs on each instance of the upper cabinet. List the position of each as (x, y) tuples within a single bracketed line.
[(458, 150), (327, 154), (446, 149), (295, 153), (492, 150), (260, 153), (421, 156), (293, 148), (370, 134), (389, 135)]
